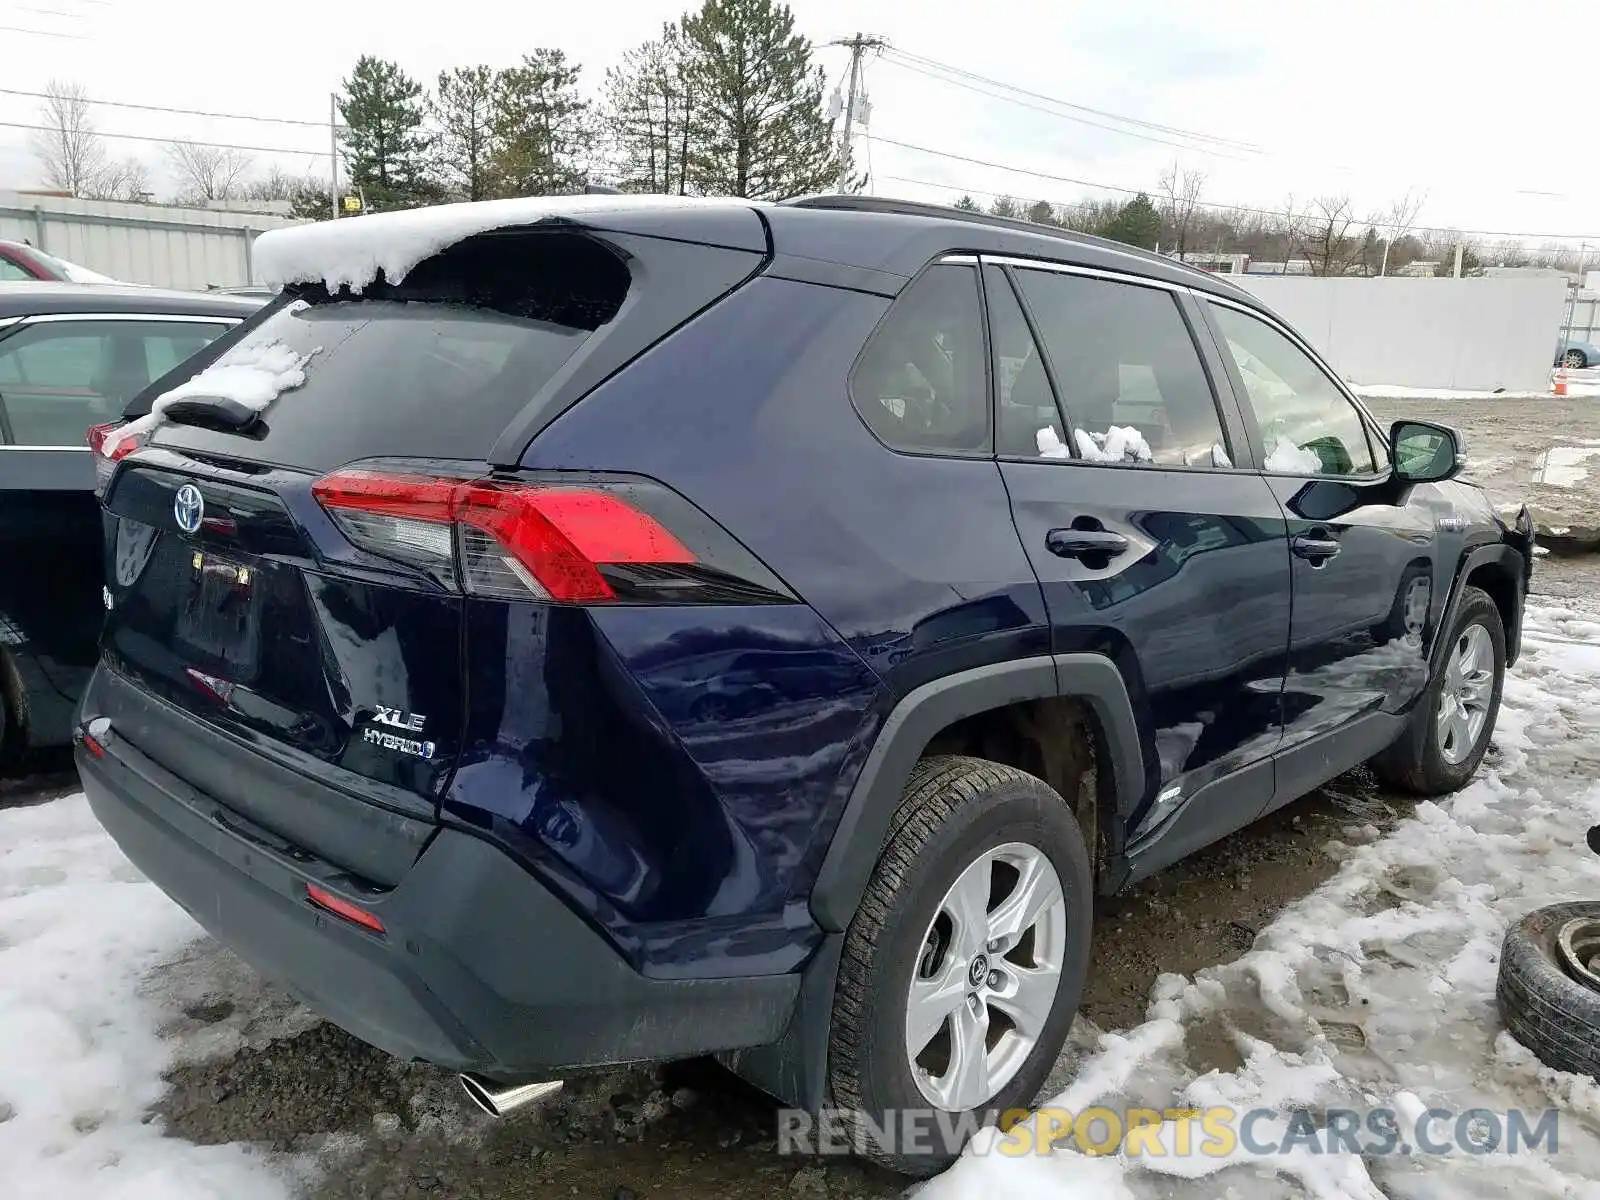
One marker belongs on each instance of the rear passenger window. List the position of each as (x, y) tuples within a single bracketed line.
[(1127, 371), (1028, 422), (920, 385)]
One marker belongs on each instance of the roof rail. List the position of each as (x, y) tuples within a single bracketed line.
[(946, 212)]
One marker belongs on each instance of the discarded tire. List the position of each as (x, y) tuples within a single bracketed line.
[(1549, 986)]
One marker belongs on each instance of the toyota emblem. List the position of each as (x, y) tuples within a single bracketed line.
[(188, 508)]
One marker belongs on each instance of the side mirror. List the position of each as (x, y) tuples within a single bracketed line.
[(1424, 452)]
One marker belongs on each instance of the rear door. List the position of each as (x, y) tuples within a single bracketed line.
[(59, 376), (1363, 560), (1152, 547)]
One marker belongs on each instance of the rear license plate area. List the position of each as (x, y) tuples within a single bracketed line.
[(220, 618)]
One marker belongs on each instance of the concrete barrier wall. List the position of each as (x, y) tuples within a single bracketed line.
[(1443, 333), (140, 243)]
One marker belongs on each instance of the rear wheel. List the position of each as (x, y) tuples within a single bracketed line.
[(964, 964), (1450, 729)]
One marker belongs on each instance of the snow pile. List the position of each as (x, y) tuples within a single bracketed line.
[(1050, 444), (1292, 460), (1579, 384), (1117, 444), (351, 252), (254, 373), (1375, 991), (80, 1057)]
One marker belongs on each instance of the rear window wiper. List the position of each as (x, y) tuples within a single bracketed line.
[(213, 412)]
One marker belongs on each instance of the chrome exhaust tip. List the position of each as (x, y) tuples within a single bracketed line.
[(497, 1101)]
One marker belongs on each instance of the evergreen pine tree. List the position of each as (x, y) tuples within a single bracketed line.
[(1040, 213), (462, 108), (542, 128), (1005, 206), (650, 110), (385, 145), (1137, 223), (760, 130), (967, 204)]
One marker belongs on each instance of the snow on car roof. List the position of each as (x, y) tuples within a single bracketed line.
[(352, 251)]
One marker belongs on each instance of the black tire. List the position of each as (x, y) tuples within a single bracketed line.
[(1547, 1010), (1415, 763), (1575, 360), (954, 808)]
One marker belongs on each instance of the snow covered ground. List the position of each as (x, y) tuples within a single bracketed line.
[(1585, 383), (1376, 990), (100, 981)]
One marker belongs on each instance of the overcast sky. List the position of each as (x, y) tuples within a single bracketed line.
[(1478, 105)]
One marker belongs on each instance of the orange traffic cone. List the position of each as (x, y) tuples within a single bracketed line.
[(1560, 387)]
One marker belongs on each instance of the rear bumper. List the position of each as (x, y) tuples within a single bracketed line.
[(480, 967)]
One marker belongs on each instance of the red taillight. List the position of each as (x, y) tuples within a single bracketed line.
[(108, 445), (324, 899), (493, 538), (105, 444), (93, 746)]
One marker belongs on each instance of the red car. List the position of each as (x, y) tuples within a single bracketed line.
[(18, 260)]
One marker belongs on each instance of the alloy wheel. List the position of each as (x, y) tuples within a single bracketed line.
[(987, 977)]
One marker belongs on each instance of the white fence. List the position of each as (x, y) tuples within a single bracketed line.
[(1442, 333), (192, 248)]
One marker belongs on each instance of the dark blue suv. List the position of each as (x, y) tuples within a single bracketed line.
[(621, 628)]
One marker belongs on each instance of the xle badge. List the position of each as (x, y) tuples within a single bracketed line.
[(396, 718)]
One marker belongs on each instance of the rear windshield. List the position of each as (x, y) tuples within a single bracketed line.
[(437, 367)]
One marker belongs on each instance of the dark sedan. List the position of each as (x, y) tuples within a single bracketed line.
[(71, 357)]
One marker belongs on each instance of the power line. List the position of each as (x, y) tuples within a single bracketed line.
[(1156, 126), (1127, 191), (1055, 112), (183, 112), (71, 37), (171, 141)]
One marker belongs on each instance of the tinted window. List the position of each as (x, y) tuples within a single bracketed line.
[(438, 366), (11, 271), (1025, 404), (1307, 425), (60, 377), (921, 384), (1127, 371)]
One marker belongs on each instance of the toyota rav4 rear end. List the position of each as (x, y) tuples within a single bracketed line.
[(406, 720)]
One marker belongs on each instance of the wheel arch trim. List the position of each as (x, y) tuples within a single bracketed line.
[(1501, 555), (922, 713)]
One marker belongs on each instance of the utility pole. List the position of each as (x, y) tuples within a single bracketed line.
[(858, 45), (333, 146)]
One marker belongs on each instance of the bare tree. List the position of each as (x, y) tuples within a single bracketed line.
[(1396, 222), (1180, 191), (277, 184), (1325, 239), (72, 154), (125, 179), (208, 172)]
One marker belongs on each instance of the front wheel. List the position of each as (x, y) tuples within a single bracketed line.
[(964, 964), (1575, 360), (1450, 729)]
